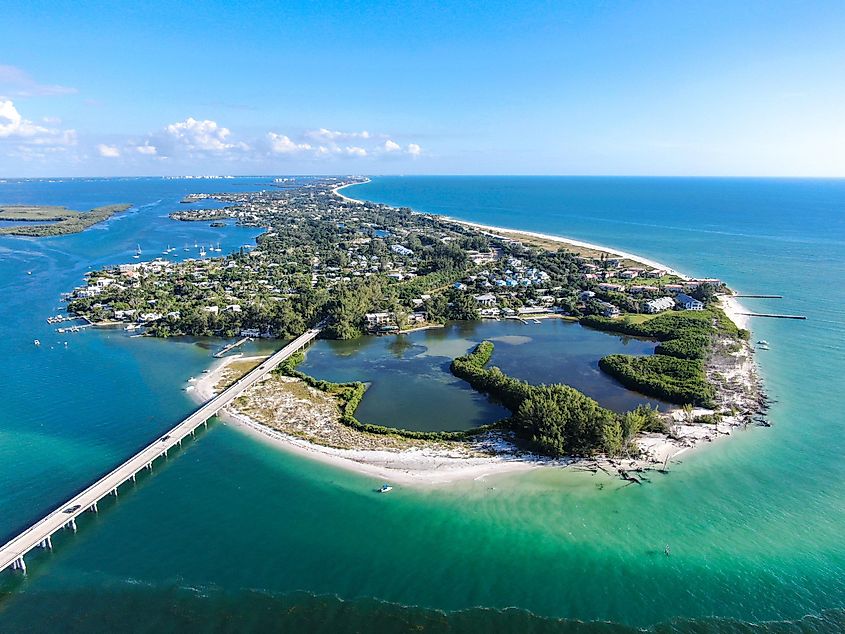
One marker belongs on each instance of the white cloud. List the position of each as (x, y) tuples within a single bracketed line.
[(281, 144), (146, 149), (414, 149), (355, 151), (108, 151), (17, 83), (391, 146), (202, 136), (17, 129), (324, 134), (12, 124)]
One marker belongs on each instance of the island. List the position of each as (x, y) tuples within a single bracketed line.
[(357, 269), (38, 221)]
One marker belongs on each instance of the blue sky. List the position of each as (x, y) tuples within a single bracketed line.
[(663, 88)]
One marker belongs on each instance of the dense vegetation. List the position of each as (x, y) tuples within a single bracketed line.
[(557, 420), (675, 372), (63, 221)]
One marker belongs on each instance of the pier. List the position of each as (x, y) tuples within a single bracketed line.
[(40, 534), (231, 347), (774, 316)]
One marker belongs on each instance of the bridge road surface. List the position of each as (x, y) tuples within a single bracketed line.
[(39, 534)]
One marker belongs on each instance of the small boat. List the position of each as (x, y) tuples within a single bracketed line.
[(29, 272), (385, 488), (763, 347), (36, 342), (536, 321), (137, 252), (202, 252), (762, 342)]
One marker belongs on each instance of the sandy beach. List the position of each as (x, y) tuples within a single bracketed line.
[(425, 464), (422, 463)]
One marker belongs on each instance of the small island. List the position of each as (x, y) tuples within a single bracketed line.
[(358, 269), (41, 221)]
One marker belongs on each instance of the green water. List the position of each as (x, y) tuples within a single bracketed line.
[(231, 533)]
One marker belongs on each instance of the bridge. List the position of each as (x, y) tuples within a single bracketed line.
[(40, 534)]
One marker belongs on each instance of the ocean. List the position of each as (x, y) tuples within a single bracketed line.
[(233, 534)]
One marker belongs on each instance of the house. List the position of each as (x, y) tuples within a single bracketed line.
[(688, 303), (378, 319), (460, 286), (609, 310), (617, 288), (250, 332), (585, 295), (487, 300), (628, 275), (658, 305), (400, 250)]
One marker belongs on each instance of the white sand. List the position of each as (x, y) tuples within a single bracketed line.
[(426, 467)]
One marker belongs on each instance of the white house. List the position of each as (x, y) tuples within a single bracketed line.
[(658, 305), (689, 303)]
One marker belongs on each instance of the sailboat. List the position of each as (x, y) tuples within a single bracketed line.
[(202, 252), (137, 252), (218, 249)]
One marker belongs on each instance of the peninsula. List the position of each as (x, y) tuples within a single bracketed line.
[(358, 269), (41, 221)]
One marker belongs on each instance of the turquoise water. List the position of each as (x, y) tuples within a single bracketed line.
[(233, 534)]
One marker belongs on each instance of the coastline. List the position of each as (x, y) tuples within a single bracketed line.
[(424, 464)]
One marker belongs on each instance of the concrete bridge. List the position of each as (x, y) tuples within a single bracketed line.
[(40, 534)]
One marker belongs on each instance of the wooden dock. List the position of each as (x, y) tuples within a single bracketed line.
[(40, 534)]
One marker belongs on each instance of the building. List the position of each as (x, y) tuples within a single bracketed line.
[(486, 300), (658, 305), (609, 310), (688, 303)]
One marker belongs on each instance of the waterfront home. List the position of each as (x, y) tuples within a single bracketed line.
[(688, 303), (609, 310), (487, 300), (658, 305), (628, 275), (374, 320)]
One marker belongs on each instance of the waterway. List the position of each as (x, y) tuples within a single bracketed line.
[(233, 534)]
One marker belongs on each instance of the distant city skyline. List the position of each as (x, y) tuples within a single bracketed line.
[(583, 88)]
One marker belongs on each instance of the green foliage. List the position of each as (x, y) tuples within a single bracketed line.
[(66, 221), (676, 371), (668, 378), (557, 419)]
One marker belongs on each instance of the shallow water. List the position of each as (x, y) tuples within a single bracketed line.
[(231, 533)]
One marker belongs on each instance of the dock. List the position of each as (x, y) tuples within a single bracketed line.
[(773, 315), (40, 534), (231, 347)]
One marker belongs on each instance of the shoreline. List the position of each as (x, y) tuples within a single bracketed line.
[(424, 464)]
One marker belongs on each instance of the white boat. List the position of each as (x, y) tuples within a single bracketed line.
[(385, 488), (762, 342), (202, 252), (137, 252), (36, 342)]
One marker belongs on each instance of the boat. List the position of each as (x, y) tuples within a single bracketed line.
[(762, 342), (36, 342), (137, 252), (202, 252), (385, 488), (536, 321)]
